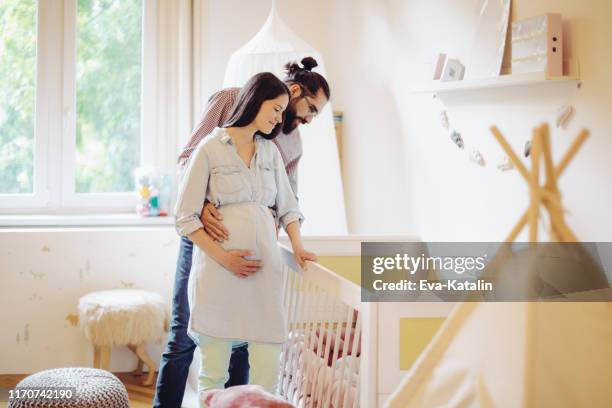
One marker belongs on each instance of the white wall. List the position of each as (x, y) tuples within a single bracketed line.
[(44, 272), (450, 197)]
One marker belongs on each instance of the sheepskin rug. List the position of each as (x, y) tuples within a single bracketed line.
[(123, 316)]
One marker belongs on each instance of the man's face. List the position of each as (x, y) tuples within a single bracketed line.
[(302, 108)]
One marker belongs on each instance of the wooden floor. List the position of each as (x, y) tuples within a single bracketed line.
[(138, 392), (140, 396)]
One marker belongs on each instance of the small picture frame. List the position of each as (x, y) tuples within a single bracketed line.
[(453, 70)]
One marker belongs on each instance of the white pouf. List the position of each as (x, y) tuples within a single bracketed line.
[(123, 317)]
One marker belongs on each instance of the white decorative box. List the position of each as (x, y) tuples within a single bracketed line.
[(453, 70), (537, 45)]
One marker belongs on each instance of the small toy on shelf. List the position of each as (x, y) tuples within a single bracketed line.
[(453, 70)]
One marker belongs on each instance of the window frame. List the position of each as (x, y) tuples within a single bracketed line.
[(55, 119)]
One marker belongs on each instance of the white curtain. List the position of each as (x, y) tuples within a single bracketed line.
[(172, 78), (320, 182)]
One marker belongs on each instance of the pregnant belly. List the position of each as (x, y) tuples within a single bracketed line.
[(247, 224)]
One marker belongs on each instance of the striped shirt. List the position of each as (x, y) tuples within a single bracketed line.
[(217, 112)]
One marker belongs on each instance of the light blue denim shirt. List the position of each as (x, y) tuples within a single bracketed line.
[(216, 172)]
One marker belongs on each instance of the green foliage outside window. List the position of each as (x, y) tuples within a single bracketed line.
[(109, 42), (17, 94)]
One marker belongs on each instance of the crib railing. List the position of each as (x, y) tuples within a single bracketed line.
[(320, 362)]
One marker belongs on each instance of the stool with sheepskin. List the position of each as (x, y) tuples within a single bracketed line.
[(124, 317)]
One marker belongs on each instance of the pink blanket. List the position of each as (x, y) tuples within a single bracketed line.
[(253, 396)]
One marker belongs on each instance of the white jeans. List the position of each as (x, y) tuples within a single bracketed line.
[(215, 354)]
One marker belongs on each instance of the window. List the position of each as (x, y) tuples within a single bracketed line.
[(108, 77), (71, 81)]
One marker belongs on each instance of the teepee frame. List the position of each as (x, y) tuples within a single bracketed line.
[(547, 195), (540, 324)]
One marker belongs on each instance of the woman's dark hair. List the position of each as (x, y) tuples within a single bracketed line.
[(260, 88), (304, 76)]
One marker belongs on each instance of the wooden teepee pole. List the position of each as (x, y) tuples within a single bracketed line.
[(571, 152), (513, 157), (551, 180), (559, 229), (549, 194), (534, 186)]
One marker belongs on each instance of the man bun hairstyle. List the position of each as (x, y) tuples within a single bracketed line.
[(312, 81), (308, 64)]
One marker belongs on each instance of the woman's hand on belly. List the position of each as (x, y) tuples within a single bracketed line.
[(234, 262)]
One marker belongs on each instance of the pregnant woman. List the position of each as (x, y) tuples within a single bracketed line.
[(235, 287)]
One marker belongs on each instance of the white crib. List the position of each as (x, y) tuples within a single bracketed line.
[(321, 361), (313, 374)]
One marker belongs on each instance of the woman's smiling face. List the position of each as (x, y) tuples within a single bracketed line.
[(271, 113)]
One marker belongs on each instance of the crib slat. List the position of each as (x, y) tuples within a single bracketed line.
[(286, 273), (288, 299), (332, 372), (345, 351), (309, 345), (323, 352), (305, 323), (288, 370), (299, 331), (352, 368), (294, 349)]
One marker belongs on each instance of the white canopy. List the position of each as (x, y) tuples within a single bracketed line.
[(320, 183)]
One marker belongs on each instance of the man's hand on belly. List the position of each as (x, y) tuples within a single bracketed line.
[(211, 218), (276, 226)]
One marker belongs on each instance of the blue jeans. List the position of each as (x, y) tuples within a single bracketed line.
[(175, 361)]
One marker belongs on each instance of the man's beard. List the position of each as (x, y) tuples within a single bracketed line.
[(291, 120)]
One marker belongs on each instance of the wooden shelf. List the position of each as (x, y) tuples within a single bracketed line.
[(502, 81)]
